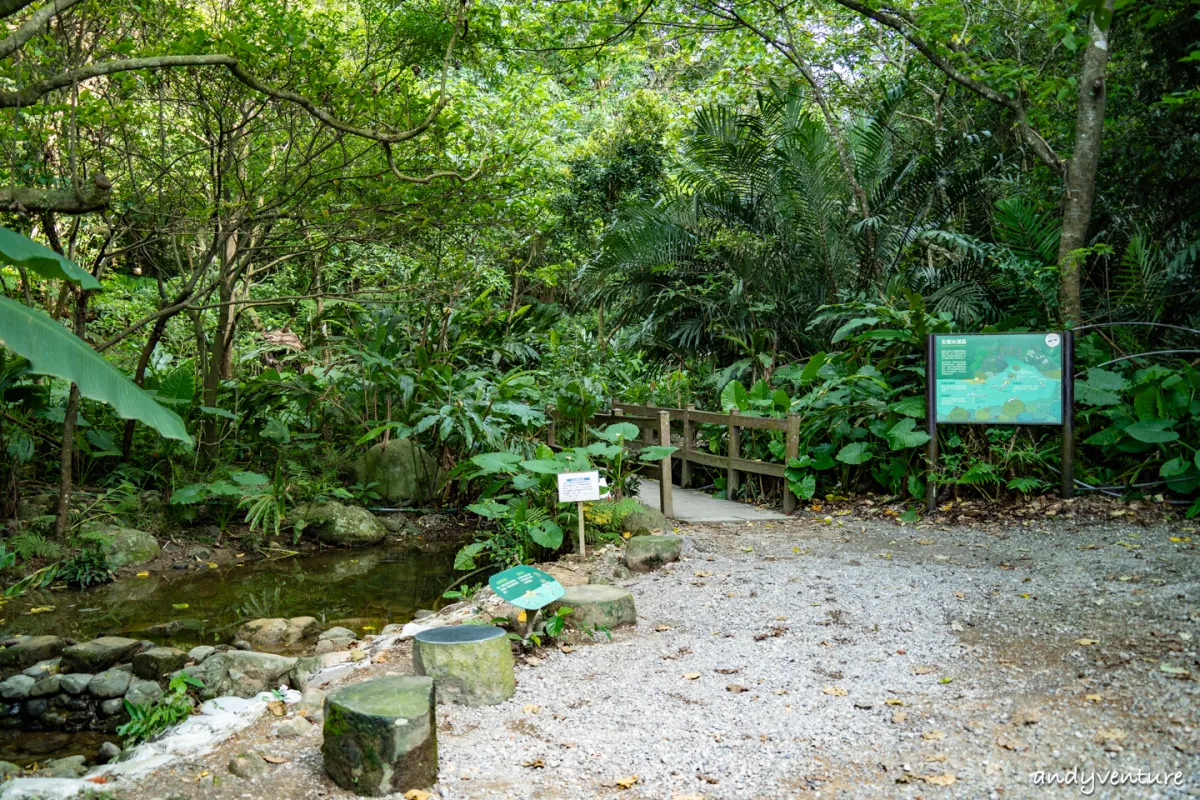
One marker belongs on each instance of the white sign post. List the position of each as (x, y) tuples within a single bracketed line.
[(579, 488)]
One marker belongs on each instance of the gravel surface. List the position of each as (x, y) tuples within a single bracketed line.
[(849, 658)]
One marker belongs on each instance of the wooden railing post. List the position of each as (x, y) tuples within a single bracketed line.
[(791, 450), (735, 451), (666, 502), (689, 431)]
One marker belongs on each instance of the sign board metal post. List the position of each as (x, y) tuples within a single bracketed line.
[(1000, 379)]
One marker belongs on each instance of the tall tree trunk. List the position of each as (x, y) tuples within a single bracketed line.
[(67, 457), (1080, 180), (220, 355)]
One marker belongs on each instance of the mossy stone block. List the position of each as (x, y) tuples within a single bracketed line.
[(597, 604), (471, 665), (647, 553), (381, 736)]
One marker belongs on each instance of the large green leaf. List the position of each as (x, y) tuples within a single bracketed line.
[(902, 435), (22, 251), (854, 453), (734, 397), (53, 350), (547, 534), (1153, 431), (619, 430)]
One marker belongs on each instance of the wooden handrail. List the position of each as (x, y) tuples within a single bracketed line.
[(654, 424)]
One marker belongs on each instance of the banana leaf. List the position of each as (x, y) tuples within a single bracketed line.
[(53, 350)]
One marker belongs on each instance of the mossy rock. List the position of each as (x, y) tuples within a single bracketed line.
[(337, 524), (381, 736), (471, 665), (647, 553), (597, 604), (403, 473), (645, 521), (124, 547)]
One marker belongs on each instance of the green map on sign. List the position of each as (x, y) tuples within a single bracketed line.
[(1012, 378), (526, 587)]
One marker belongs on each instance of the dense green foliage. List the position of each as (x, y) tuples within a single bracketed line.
[(304, 230)]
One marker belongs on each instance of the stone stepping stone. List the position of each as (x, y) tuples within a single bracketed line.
[(471, 665), (381, 736), (597, 604), (99, 654), (646, 553)]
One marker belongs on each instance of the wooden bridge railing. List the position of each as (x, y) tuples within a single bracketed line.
[(654, 426)]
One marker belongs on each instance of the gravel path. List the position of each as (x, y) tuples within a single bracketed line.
[(853, 658)]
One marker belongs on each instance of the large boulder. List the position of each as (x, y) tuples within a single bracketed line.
[(99, 654), (338, 524), (242, 673), (125, 547), (381, 737), (278, 633), (597, 604), (645, 521), (403, 473), (647, 553)]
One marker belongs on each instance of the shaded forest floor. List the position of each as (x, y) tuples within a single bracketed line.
[(845, 658)]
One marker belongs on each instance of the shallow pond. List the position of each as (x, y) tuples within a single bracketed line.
[(360, 589)]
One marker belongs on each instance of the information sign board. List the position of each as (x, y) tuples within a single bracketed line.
[(998, 379), (578, 487)]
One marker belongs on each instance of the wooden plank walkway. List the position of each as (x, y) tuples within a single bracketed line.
[(693, 506)]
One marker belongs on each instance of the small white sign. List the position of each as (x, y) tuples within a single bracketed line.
[(578, 487), (1052, 339)]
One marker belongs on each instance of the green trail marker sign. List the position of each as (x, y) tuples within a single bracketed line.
[(1000, 379), (526, 587)]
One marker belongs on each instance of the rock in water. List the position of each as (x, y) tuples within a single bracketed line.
[(381, 737), (29, 650), (645, 521), (99, 654), (597, 604), (278, 633), (242, 674), (158, 661), (403, 473), (334, 523), (646, 553), (125, 547), (471, 665)]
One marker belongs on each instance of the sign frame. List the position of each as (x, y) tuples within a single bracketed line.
[(1067, 423)]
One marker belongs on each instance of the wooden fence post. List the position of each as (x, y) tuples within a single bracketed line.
[(791, 450), (666, 502), (735, 451), (689, 431)]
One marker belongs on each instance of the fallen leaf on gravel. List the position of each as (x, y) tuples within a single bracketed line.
[(736, 688), (947, 779), (627, 783), (1010, 743), (101, 779), (926, 541), (143, 574), (537, 763), (1087, 642), (417, 794), (899, 717), (276, 707), (1181, 539), (567, 745), (894, 701), (933, 736), (1094, 698), (702, 574), (691, 676), (947, 679), (864, 704), (1109, 735), (924, 669), (959, 596), (835, 691), (661, 628), (274, 760), (728, 670), (566, 648), (532, 661), (1169, 669), (1027, 716), (531, 709)]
